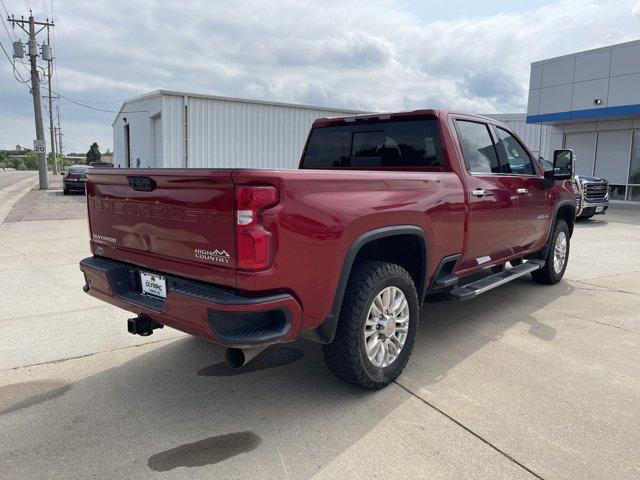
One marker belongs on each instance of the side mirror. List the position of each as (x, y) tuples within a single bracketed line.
[(562, 165)]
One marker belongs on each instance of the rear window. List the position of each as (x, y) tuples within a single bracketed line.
[(411, 143), (78, 169)]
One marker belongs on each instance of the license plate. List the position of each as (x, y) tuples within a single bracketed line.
[(599, 209), (154, 285)]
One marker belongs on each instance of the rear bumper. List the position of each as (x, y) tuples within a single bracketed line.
[(223, 316), (75, 186)]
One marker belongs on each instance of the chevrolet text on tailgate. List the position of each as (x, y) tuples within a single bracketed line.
[(385, 211)]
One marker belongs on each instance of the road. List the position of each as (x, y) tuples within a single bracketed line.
[(8, 179), (14, 185), (526, 381)]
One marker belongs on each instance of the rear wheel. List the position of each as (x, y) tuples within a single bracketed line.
[(377, 326), (557, 256), (65, 191)]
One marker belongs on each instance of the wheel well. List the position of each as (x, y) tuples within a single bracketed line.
[(408, 251), (568, 214)]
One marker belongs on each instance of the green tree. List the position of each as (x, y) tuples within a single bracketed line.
[(31, 160), (93, 155)]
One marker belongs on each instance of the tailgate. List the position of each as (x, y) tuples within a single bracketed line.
[(176, 221)]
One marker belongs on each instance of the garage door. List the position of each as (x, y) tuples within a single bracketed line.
[(584, 147), (157, 142)]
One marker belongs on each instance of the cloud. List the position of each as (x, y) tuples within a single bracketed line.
[(497, 86), (361, 54), (636, 11)]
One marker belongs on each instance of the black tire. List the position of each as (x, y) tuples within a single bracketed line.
[(548, 274), (346, 355), (584, 217), (65, 191)]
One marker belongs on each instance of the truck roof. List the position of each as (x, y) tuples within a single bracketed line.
[(426, 113)]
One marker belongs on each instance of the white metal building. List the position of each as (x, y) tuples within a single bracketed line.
[(178, 129), (591, 102)]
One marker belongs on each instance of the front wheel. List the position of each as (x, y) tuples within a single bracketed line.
[(377, 326), (557, 256)]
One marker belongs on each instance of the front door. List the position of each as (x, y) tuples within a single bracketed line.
[(492, 198), (532, 200)]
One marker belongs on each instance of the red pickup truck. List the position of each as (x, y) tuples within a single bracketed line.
[(384, 211)]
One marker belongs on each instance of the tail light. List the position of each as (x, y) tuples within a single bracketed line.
[(254, 243)]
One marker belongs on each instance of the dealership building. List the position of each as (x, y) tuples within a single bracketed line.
[(590, 102)]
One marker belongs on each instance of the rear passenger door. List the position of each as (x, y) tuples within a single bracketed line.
[(532, 200), (492, 198)]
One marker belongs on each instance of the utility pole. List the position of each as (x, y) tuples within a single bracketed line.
[(59, 135), (54, 159), (39, 144)]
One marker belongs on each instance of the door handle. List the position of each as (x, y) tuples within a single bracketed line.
[(522, 190), (478, 192)]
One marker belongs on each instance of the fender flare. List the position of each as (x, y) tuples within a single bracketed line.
[(326, 332), (545, 250)]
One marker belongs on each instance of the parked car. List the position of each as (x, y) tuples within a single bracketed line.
[(384, 211), (74, 179)]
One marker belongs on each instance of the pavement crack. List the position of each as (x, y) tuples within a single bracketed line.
[(86, 355), (601, 288), (61, 312), (605, 276), (583, 319), (543, 307), (468, 430)]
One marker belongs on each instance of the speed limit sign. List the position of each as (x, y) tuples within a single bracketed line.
[(39, 146)]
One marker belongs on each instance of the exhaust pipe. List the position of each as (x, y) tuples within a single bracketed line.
[(239, 357)]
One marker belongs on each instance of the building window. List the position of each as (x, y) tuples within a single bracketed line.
[(617, 192), (634, 193)]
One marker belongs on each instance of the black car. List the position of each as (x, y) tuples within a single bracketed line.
[(75, 178)]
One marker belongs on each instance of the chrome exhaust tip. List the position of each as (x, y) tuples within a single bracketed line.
[(239, 357)]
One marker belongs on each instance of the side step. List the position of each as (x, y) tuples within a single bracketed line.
[(472, 290)]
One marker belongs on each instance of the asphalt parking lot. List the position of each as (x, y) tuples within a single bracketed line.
[(527, 381)]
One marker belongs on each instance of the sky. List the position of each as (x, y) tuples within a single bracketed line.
[(370, 55)]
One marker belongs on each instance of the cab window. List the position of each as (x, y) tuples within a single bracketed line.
[(514, 156), (477, 147)]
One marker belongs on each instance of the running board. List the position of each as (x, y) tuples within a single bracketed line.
[(472, 290)]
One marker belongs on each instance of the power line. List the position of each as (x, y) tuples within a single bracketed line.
[(96, 108), (6, 54), (11, 38)]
